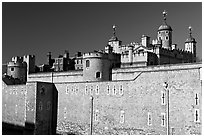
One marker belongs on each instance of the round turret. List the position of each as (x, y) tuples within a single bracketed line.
[(96, 66), (165, 33), (17, 70)]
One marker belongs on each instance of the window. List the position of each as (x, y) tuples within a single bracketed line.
[(48, 105), (122, 116), (86, 89), (98, 74), (96, 115), (87, 63), (91, 90), (166, 32), (197, 119), (196, 99), (65, 113), (12, 69), (77, 61), (163, 119), (40, 106), (114, 90), (121, 90), (67, 90), (149, 123), (167, 38), (97, 90), (162, 98), (108, 90)]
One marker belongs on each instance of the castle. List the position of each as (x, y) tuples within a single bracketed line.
[(138, 88)]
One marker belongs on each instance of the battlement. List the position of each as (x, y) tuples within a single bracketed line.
[(17, 59), (29, 56), (16, 64), (95, 55)]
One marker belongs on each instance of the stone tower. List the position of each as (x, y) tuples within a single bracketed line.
[(165, 33), (30, 60), (96, 66), (17, 69), (114, 42), (190, 44)]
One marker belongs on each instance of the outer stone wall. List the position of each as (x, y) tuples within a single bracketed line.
[(134, 106), (13, 104)]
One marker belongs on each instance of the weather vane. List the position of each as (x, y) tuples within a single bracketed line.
[(114, 28), (190, 29), (164, 14)]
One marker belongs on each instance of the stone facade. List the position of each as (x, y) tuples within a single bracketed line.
[(134, 102)]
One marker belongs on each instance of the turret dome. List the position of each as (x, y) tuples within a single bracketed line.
[(165, 27)]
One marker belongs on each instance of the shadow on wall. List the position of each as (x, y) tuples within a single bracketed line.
[(30, 128), (54, 113), (11, 129)]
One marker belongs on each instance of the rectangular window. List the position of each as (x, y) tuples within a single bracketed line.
[(162, 98), (91, 90), (197, 115), (114, 90), (196, 99), (40, 106), (12, 69), (96, 115), (149, 121), (76, 90), (121, 90), (108, 90), (163, 119), (67, 90), (122, 116), (48, 105), (65, 112), (97, 90), (86, 90)]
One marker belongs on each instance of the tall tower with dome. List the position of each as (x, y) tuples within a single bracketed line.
[(114, 42), (190, 44), (164, 33)]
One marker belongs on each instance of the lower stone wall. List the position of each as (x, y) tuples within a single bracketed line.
[(13, 104)]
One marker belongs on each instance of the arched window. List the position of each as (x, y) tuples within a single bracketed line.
[(98, 74), (87, 63)]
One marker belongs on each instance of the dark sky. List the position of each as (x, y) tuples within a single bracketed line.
[(37, 28)]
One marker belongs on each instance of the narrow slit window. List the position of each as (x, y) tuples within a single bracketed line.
[(97, 90), (108, 90), (197, 115), (65, 113), (48, 105), (67, 90), (121, 90), (40, 106), (86, 90), (196, 99), (149, 121), (122, 117), (91, 90), (162, 98), (96, 115), (163, 119), (114, 90)]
